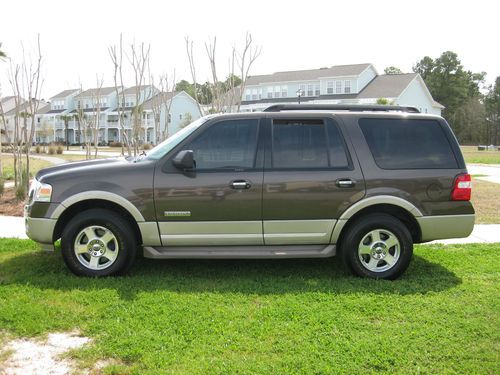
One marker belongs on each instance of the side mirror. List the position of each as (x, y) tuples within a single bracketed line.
[(184, 160)]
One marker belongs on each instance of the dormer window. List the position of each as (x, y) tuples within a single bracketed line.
[(347, 87)]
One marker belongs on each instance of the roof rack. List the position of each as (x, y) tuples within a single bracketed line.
[(340, 107)]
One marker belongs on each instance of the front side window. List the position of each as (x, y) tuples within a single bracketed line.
[(310, 90), (229, 144), (316, 90), (329, 87), (338, 87), (307, 144), (408, 144)]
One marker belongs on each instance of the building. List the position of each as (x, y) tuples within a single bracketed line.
[(100, 105), (342, 84), (20, 115)]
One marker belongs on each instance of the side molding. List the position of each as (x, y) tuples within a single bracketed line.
[(97, 194)]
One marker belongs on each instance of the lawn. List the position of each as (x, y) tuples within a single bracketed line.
[(266, 317), (486, 201), (472, 155), (8, 166)]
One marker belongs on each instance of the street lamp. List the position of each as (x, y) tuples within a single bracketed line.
[(299, 94)]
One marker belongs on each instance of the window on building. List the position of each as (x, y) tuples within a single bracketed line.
[(329, 87), (303, 89), (347, 87), (276, 91), (284, 91), (254, 94), (338, 87), (228, 144), (180, 117), (310, 90), (316, 89), (269, 92)]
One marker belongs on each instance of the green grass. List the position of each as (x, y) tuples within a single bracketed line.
[(35, 166), (266, 317), (472, 155)]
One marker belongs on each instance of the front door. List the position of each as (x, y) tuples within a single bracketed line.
[(219, 202), (309, 179)]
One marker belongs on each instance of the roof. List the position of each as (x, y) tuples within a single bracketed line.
[(148, 104), (94, 92), (305, 75), (45, 109), (387, 86), (6, 98), (64, 94), (24, 107), (131, 90), (102, 109)]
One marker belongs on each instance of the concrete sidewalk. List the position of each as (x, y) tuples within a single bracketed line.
[(13, 227)]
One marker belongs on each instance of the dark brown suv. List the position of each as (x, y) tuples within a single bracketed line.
[(294, 181)]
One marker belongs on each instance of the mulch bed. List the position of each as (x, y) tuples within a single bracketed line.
[(10, 205)]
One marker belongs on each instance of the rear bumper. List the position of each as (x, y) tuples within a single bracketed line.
[(445, 226)]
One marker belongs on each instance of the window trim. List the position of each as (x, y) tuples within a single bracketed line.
[(268, 163)]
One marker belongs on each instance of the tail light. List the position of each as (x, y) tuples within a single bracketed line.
[(462, 188)]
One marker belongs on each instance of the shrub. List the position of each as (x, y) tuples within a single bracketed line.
[(59, 149), (115, 144), (2, 185), (38, 148), (147, 146), (52, 150)]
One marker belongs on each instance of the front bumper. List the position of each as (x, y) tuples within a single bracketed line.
[(445, 226), (39, 229)]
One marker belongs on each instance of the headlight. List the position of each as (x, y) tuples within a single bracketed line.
[(40, 192)]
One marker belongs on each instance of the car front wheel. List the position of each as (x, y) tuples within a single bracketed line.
[(98, 242)]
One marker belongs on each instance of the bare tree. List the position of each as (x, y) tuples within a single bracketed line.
[(139, 60), (192, 67), (246, 59), (162, 101), (96, 102), (116, 55)]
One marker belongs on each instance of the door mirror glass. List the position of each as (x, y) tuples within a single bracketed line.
[(184, 160)]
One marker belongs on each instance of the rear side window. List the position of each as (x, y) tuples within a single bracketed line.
[(307, 144), (408, 144)]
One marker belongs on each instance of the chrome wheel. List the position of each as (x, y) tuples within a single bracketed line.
[(379, 250), (96, 247)]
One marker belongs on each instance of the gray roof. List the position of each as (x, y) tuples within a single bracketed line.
[(306, 75), (64, 94), (24, 107), (148, 104), (45, 109), (387, 86), (93, 92), (131, 90), (5, 98)]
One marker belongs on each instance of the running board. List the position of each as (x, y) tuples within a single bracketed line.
[(240, 252)]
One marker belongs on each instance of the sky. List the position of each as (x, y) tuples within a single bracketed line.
[(75, 35)]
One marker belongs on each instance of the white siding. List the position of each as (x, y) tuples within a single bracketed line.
[(416, 96)]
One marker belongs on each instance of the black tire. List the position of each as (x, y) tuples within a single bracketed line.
[(385, 225), (124, 238)]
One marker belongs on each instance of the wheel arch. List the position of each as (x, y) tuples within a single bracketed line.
[(397, 207), (65, 214)]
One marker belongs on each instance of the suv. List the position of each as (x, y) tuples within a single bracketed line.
[(294, 181)]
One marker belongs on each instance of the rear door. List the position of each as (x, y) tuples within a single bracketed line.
[(311, 176), (220, 201)]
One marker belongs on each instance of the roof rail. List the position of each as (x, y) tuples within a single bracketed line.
[(340, 107)]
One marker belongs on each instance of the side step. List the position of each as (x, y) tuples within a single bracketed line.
[(240, 252)]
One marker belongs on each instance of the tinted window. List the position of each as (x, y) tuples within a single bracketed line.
[(226, 144), (408, 144), (307, 144)]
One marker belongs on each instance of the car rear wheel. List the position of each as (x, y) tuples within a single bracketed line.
[(377, 246), (98, 242)]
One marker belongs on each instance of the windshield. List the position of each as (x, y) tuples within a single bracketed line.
[(168, 144)]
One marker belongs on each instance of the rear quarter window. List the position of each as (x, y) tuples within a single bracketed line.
[(408, 144)]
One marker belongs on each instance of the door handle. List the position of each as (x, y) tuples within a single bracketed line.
[(345, 183), (240, 184)]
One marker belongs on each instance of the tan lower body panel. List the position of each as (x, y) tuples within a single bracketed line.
[(297, 232), (209, 233)]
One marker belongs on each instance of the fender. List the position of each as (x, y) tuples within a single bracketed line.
[(97, 194)]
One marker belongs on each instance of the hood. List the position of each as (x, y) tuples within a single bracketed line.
[(77, 166)]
